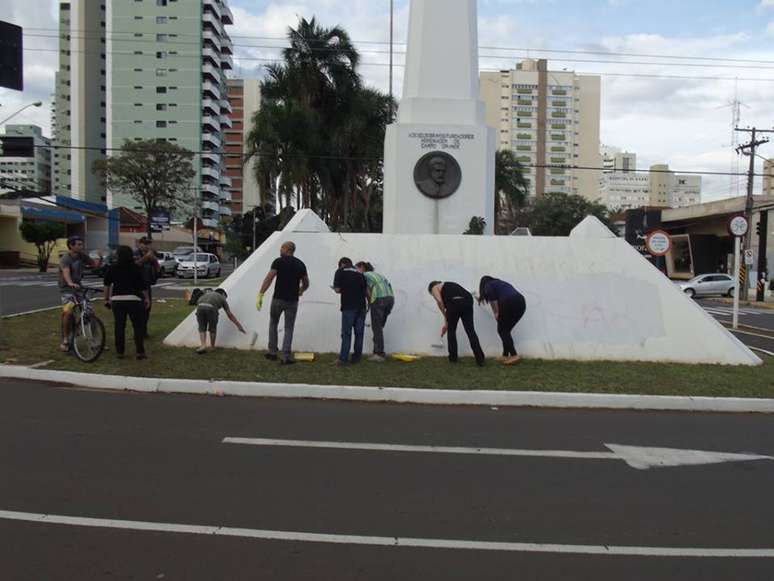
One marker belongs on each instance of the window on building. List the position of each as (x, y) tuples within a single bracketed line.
[(161, 54), (161, 38), (161, 20), (161, 90), (161, 107), (161, 2), (161, 72), (161, 124)]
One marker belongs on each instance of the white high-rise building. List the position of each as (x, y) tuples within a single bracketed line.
[(28, 173), (551, 120), (623, 188)]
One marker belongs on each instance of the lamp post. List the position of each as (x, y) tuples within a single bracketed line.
[(35, 104), (392, 22)]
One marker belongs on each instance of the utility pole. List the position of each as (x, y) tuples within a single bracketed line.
[(749, 149), (392, 23)]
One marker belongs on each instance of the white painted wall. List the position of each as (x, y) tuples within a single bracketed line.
[(589, 297)]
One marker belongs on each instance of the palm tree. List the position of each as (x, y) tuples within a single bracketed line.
[(511, 190)]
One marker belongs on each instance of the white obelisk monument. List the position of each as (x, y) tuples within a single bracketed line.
[(439, 156)]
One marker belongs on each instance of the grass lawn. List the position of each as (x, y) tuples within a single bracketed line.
[(33, 339)]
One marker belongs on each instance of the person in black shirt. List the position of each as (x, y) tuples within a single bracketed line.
[(292, 283), (350, 283), (126, 293), (146, 259), (456, 303)]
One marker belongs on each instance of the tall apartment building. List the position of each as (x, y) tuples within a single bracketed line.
[(31, 173), (79, 111), (548, 118), (245, 98), (167, 63), (623, 188), (768, 178)]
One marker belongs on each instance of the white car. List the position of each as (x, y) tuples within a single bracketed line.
[(207, 265), (167, 263), (709, 284), (183, 252)]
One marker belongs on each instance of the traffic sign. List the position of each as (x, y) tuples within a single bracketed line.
[(748, 257), (738, 226), (658, 243)]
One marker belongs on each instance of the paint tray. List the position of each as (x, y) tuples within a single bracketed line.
[(305, 357)]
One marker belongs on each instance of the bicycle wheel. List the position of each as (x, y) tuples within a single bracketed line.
[(88, 338)]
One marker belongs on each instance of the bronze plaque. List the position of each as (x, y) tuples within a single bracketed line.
[(437, 175)]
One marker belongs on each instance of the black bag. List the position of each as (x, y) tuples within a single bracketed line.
[(195, 296)]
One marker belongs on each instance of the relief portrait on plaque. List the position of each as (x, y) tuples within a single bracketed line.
[(437, 175)]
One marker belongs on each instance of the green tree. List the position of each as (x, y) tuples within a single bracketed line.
[(476, 226), (154, 173), (557, 214), (44, 236), (319, 137), (511, 190)]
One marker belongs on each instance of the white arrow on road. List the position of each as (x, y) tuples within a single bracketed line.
[(638, 457)]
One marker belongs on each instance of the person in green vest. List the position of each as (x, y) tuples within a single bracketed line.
[(381, 299)]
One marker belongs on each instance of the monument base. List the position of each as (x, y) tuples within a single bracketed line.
[(407, 210), (590, 297)]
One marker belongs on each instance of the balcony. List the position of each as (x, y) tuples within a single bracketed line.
[(226, 45), (213, 38), (226, 61), (213, 5), (212, 206), (211, 189), (210, 223), (226, 14), (212, 54), (211, 172), (212, 73), (225, 105), (214, 158), (212, 122), (225, 211), (211, 105), (225, 181), (212, 89), (211, 139), (210, 19), (225, 121), (225, 196)]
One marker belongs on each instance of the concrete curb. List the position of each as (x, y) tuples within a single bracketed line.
[(394, 394)]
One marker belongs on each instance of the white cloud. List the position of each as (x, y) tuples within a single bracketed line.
[(767, 4)]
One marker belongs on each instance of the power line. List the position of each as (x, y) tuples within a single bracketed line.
[(377, 159), (481, 47)]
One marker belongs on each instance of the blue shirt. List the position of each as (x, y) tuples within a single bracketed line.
[(499, 290)]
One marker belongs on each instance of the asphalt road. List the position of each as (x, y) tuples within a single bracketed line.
[(161, 459)]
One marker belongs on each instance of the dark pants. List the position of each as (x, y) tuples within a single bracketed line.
[(135, 310), (511, 311), (462, 309), (352, 319), (380, 310), (147, 311), (290, 310)]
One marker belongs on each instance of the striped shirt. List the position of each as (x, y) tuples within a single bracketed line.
[(378, 286)]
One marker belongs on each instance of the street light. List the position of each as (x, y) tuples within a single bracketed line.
[(35, 104)]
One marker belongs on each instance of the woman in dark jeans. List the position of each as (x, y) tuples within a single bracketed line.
[(126, 293), (509, 307), (456, 304)]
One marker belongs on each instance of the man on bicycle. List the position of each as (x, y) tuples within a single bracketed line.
[(70, 275)]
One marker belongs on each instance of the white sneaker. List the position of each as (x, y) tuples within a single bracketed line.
[(376, 358)]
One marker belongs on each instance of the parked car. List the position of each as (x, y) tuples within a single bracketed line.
[(167, 263), (709, 284), (182, 252), (206, 265)]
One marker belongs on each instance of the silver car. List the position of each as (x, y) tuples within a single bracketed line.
[(167, 263), (708, 284), (207, 265)]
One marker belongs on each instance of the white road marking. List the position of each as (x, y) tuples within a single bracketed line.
[(218, 531), (759, 350), (641, 458), (752, 334), (13, 316)]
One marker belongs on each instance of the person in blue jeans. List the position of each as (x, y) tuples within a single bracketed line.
[(350, 283)]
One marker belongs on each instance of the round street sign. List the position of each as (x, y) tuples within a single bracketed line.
[(738, 226), (658, 243)]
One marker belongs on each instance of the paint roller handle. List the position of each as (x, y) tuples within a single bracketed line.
[(259, 302)]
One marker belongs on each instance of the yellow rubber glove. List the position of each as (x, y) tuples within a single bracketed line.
[(259, 302)]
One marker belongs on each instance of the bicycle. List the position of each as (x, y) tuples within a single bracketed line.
[(87, 332)]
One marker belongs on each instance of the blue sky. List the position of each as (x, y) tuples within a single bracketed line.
[(684, 122)]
